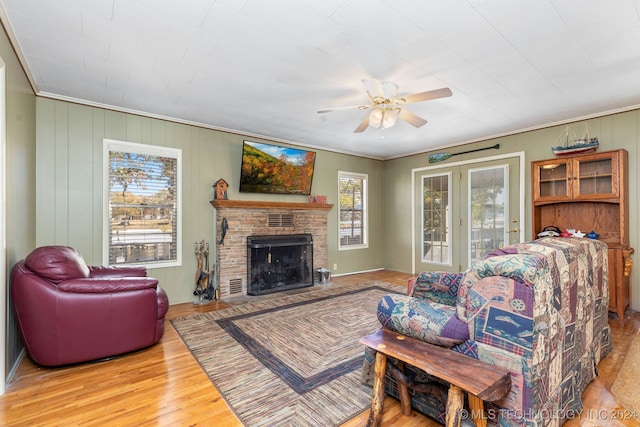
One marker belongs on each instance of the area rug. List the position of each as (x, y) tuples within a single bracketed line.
[(290, 361), (626, 387)]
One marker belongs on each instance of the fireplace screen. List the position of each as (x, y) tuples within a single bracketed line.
[(280, 262)]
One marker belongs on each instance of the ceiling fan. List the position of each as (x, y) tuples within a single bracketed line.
[(386, 105)]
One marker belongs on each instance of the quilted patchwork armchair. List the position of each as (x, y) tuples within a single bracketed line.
[(538, 309), (68, 312)]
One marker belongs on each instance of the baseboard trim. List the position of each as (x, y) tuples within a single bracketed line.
[(14, 368), (357, 272)]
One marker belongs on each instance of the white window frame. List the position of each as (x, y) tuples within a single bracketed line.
[(505, 198), (143, 149), (365, 210), (447, 220)]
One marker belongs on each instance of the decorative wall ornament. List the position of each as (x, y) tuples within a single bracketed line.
[(440, 157), (224, 227), (220, 187)]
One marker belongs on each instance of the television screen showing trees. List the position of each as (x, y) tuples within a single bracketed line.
[(268, 168)]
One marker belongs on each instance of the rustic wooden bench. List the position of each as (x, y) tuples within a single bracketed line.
[(482, 381)]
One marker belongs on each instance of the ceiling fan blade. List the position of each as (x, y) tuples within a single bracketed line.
[(351, 107), (411, 118), (425, 96), (363, 125), (373, 88)]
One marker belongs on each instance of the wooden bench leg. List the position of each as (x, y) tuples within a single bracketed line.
[(403, 392), (377, 399), (476, 405), (455, 404)]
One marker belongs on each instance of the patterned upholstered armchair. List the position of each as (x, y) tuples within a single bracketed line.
[(538, 309)]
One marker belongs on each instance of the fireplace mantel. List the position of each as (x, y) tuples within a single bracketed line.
[(252, 204)]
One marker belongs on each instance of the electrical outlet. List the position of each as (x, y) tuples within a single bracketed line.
[(335, 267)]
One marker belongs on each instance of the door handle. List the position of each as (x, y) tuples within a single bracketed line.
[(514, 230)]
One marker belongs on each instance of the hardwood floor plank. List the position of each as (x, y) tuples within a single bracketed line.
[(164, 385)]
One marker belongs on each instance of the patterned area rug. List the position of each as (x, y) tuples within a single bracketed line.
[(626, 387), (290, 361)]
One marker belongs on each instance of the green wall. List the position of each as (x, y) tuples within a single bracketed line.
[(70, 178), (19, 174), (69, 183), (614, 131)]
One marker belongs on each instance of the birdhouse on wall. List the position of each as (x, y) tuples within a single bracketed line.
[(220, 187)]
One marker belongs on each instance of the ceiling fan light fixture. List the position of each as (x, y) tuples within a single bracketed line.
[(375, 118), (386, 106), (390, 117)]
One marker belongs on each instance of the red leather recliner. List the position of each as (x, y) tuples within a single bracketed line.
[(69, 312)]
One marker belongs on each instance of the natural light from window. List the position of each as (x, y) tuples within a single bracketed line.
[(352, 212), (436, 217), (142, 191), (487, 210)]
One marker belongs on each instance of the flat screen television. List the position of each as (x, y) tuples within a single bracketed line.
[(268, 168)]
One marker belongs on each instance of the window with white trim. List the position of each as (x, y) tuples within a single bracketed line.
[(142, 202), (352, 211), (436, 217)]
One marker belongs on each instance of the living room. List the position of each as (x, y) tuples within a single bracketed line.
[(54, 193)]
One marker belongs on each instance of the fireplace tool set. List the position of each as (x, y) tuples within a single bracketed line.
[(205, 289)]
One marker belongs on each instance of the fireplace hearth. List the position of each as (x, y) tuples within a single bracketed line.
[(277, 263)]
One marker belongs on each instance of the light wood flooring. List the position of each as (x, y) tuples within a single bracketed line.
[(164, 386)]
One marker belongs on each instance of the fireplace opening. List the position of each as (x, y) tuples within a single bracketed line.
[(279, 262)]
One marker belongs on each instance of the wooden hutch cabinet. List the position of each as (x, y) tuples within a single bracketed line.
[(589, 192)]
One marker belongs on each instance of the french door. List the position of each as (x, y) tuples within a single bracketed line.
[(464, 211)]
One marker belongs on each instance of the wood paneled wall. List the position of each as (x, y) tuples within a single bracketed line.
[(614, 131), (70, 206)]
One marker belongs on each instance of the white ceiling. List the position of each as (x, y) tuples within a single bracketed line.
[(264, 67)]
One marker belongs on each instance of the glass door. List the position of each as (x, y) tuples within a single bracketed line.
[(465, 212), (488, 218), (437, 216)]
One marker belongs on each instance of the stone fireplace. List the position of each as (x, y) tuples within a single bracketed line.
[(246, 220)]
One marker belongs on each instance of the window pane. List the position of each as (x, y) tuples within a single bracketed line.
[(352, 210), (143, 208), (487, 204), (435, 204)]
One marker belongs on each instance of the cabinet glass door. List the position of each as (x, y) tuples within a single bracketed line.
[(552, 177), (595, 176)]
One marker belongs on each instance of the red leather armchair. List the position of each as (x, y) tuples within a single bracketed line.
[(68, 312)]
